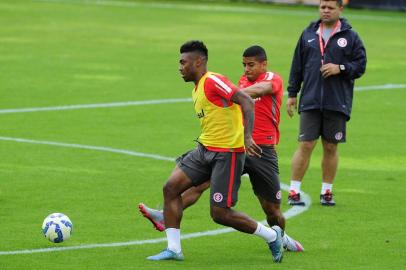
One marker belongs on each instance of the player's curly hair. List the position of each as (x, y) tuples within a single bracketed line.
[(195, 46)]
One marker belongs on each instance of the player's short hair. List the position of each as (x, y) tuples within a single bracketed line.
[(195, 46), (339, 2), (255, 51)]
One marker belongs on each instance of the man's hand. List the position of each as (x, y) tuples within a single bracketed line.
[(329, 69), (291, 105), (252, 149)]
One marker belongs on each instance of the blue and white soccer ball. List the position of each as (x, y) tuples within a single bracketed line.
[(57, 227)]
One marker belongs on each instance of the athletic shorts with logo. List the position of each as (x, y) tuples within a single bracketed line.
[(264, 174), (331, 125), (223, 169)]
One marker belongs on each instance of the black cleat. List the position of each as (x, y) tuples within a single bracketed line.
[(294, 199), (327, 198)]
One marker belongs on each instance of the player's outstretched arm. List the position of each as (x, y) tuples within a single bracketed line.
[(247, 107), (258, 89)]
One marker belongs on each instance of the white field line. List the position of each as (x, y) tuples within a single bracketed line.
[(294, 211), (220, 8), (97, 105), (388, 86), (159, 101), (89, 147)]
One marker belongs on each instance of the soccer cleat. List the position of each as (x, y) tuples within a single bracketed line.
[(167, 254), (276, 246), (327, 198), (294, 199), (291, 244), (155, 216)]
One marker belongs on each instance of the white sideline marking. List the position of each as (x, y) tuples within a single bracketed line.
[(159, 101), (97, 105), (219, 8), (380, 87), (294, 211), (89, 147)]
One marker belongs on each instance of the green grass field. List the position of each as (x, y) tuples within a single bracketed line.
[(60, 53)]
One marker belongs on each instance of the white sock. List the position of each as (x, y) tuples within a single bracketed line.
[(326, 186), (266, 233), (295, 185), (173, 236)]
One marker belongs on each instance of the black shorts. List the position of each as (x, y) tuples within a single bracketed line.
[(264, 175), (223, 169), (331, 125)]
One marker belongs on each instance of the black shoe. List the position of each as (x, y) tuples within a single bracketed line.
[(294, 199), (327, 199)]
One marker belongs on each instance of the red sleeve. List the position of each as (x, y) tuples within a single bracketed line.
[(217, 84), (277, 84), (275, 79)]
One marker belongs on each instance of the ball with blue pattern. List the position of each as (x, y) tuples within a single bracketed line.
[(57, 227)]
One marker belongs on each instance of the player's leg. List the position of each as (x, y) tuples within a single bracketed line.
[(189, 197), (190, 166), (334, 132), (192, 195), (225, 182), (264, 177), (274, 216), (310, 125), (243, 223), (177, 183)]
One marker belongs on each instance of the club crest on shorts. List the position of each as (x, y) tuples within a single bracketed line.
[(278, 195), (217, 197), (338, 136), (342, 42)]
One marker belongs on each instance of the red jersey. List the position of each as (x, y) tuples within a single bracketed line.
[(267, 113)]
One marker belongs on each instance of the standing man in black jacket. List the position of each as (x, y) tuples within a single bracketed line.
[(328, 57)]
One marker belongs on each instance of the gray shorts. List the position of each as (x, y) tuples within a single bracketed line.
[(331, 125), (264, 175), (223, 169)]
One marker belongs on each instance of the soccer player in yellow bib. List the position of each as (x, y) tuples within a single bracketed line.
[(219, 156)]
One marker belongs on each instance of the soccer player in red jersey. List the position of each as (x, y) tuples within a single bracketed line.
[(219, 156), (267, 90)]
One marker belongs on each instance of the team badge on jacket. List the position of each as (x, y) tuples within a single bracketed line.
[(342, 42)]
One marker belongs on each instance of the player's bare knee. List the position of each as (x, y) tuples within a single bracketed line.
[(169, 190)]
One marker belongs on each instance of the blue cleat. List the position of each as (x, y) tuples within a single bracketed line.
[(276, 246), (167, 254)]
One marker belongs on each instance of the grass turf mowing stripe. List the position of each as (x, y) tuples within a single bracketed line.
[(218, 8), (159, 101)]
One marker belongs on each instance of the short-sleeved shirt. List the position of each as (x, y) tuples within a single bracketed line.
[(267, 109), (221, 120)]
